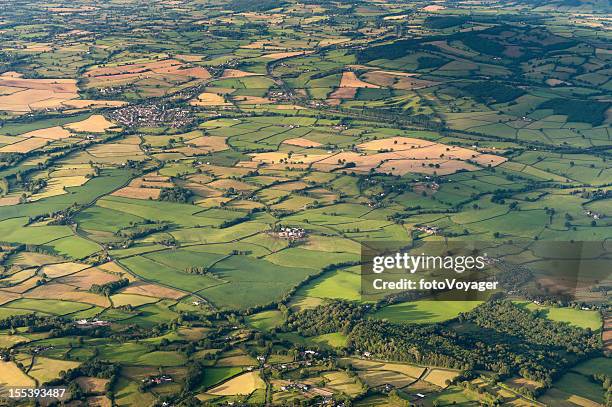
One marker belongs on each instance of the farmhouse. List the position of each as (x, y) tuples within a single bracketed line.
[(95, 323), (430, 230), (157, 380), (290, 233)]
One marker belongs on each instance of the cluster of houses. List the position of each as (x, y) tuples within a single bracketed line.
[(39, 349), (279, 95), (306, 388), (295, 386), (112, 90), (152, 115), (430, 230), (157, 380), (290, 233)]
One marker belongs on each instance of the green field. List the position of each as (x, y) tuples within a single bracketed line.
[(572, 316), (425, 311)]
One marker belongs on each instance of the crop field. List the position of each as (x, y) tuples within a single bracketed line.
[(243, 384), (187, 189)]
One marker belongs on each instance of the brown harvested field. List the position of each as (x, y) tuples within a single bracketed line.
[(51, 133), (211, 143), (24, 286), (30, 259), (190, 58), (112, 267), (133, 68), (281, 55), (247, 164), (12, 376), (439, 377), (7, 90), (6, 297), (57, 186), (262, 44), (343, 93), (347, 156), (407, 369), (156, 178), (246, 383), (68, 293), (86, 278), (401, 167), (397, 155), (94, 124), (138, 193), (99, 401), (275, 157), (153, 290), (396, 80), (210, 99), (24, 146), (489, 159), (231, 183), (433, 7), (438, 151), (63, 269), (153, 72), (134, 300), (133, 140), (288, 107), (412, 153), (201, 178), (196, 72), (92, 385), (395, 143), (20, 276), (188, 151), (219, 171), (236, 73), (213, 202), (202, 190), (151, 182), (301, 142), (30, 92), (291, 186), (9, 200), (350, 80)]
